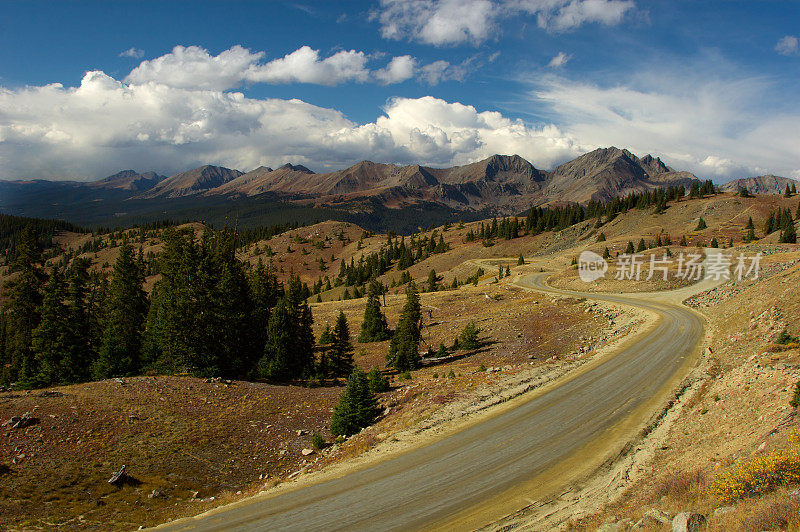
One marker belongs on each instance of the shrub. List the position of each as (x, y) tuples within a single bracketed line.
[(761, 474), (451, 375), (677, 484), (785, 338), (405, 376), (482, 368), (774, 515), (318, 441)]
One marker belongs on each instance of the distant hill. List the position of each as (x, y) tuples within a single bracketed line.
[(763, 184), (130, 180), (191, 182)]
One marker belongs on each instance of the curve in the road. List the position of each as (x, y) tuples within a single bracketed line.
[(491, 468)]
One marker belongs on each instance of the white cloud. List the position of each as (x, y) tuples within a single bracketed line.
[(104, 124), (437, 22), (576, 13), (714, 126), (559, 60), (192, 67), (788, 45), (449, 22), (305, 66), (438, 71), (134, 53), (398, 70)]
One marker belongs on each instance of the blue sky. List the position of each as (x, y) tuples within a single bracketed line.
[(88, 88)]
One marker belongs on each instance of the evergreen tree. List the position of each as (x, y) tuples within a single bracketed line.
[(750, 223), (325, 367), (126, 309), (794, 189), (49, 339), (82, 335), (377, 382), (641, 246), (433, 284), (630, 249), (788, 192), (683, 241), (521, 260), (357, 406), (404, 347), (342, 349), (789, 235), (714, 243), (25, 298), (601, 237), (374, 327), (277, 360), (468, 339), (701, 224)]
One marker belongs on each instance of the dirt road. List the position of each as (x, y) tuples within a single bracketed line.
[(549, 439)]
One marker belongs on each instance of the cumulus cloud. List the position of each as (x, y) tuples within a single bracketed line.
[(450, 22), (305, 66), (438, 71), (105, 124), (788, 45), (713, 126), (559, 60), (134, 53), (192, 67), (398, 70)]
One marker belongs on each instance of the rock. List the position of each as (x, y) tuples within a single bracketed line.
[(307, 452), (609, 527), (119, 477), (658, 515), (156, 493), (21, 422), (722, 510), (688, 522)]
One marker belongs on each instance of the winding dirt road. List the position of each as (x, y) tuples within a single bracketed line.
[(529, 450)]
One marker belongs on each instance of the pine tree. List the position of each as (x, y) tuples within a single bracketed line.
[(468, 339), (714, 243), (83, 338), (377, 382), (630, 249), (342, 348), (357, 406), (325, 367), (789, 235), (404, 347), (374, 327), (277, 360), (25, 298), (49, 339), (641, 246), (788, 192), (601, 237), (433, 284), (126, 309), (701, 224), (521, 260), (750, 223), (794, 189)]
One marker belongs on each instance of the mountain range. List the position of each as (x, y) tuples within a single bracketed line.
[(500, 184)]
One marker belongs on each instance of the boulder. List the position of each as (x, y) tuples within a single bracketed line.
[(688, 522), (722, 510), (307, 452), (658, 515)]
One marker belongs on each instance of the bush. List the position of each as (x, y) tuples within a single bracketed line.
[(785, 338), (761, 474), (318, 441), (678, 483), (451, 375), (405, 376), (774, 515)]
